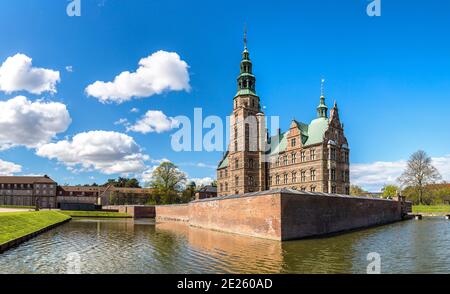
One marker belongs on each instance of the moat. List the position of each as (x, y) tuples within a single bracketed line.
[(141, 246)]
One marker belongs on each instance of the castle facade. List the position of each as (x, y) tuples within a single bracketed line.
[(307, 157)]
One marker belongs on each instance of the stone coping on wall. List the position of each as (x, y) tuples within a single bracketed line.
[(288, 191)]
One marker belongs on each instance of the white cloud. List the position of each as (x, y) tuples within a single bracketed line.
[(159, 72), (30, 124), (69, 68), (373, 176), (134, 110), (201, 181), (9, 168), (122, 121), (17, 74), (154, 121), (107, 152)]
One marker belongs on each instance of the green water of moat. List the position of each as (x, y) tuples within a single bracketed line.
[(141, 246)]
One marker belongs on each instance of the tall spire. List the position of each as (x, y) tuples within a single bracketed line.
[(322, 85), (322, 109), (246, 79), (245, 36)]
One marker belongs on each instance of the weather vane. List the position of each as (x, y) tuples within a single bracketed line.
[(322, 85), (245, 36)]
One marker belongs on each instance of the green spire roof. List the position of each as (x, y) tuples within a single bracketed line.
[(246, 80)]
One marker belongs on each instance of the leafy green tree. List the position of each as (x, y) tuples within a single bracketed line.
[(390, 191), (167, 181), (132, 183), (419, 173), (357, 191)]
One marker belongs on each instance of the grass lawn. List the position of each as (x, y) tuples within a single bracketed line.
[(432, 209), (17, 206), (95, 214), (14, 225)]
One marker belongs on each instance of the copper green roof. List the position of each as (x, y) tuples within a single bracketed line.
[(316, 130), (224, 162), (244, 92), (311, 134)]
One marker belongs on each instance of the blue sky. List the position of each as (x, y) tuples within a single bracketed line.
[(389, 74)]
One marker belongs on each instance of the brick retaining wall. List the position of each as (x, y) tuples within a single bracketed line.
[(284, 214)]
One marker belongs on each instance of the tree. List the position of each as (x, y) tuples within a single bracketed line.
[(357, 191), (419, 173), (214, 183), (390, 191), (132, 183), (122, 182), (167, 180)]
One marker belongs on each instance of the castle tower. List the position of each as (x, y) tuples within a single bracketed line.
[(242, 169)]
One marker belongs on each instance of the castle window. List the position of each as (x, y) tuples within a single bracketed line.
[(285, 180), (270, 180), (226, 173), (250, 163), (313, 154), (220, 174), (293, 142), (294, 177), (277, 180), (333, 189), (294, 158), (347, 190), (236, 181), (277, 163), (226, 187), (251, 181), (235, 133), (303, 189), (313, 175), (313, 188), (221, 187), (235, 146), (253, 102), (285, 159), (333, 174), (303, 176), (333, 154), (236, 163), (303, 156)]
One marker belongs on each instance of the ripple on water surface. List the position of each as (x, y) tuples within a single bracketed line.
[(141, 246)]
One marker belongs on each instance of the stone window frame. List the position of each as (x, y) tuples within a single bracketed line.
[(313, 174), (313, 154), (303, 176), (285, 178), (303, 156), (333, 174), (277, 179), (294, 177), (293, 142), (294, 158)]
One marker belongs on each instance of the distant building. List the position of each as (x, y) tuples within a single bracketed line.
[(308, 156), (26, 191), (206, 192)]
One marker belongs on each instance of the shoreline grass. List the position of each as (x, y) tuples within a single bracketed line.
[(432, 209), (14, 225), (17, 207), (105, 214)]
